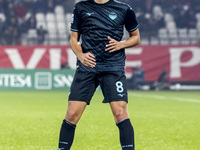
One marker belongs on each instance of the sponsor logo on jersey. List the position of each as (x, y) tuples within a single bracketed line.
[(113, 15)]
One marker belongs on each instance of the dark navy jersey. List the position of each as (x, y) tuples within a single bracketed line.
[(95, 22)]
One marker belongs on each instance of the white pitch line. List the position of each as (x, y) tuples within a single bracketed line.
[(166, 98), (187, 100)]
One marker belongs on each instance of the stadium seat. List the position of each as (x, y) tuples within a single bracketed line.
[(32, 33), (61, 26), (198, 25), (51, 26), (168, 17), (60, 18), (40, 17), (185, 42), (126, 34), (62, 36), (198, 17), (193, 35), (2, 16), (171, 25), (68, 26), (68, 17), (157, 11), (144, 41), (163, 33), (173, 34), (154, 41), (50, 17), (182, 33), (65, 42), (32, 36), (164, 42), (52, 42), (59, 9), (183, 36), (52, 37), (175, 42)]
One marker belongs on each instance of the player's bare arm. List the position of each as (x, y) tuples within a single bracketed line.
[(88, 59), (130, 42)]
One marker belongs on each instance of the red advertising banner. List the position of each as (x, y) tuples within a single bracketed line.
[(181, 62)]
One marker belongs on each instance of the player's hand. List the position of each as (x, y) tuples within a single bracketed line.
[(113, 45), (87, 59)]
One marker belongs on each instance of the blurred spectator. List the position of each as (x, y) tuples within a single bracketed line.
[(32, 22), (152, 27), (192, 21), (30, 5), (13, 22), (41, 32), (20, 10), (40, 6), (16, 34), (163, 81), (143, 21), (1, 6), (7, 36), (50, 6), (137, 79), (60, 2), (180, 15), (149, 5), (2, 26), (65, 66), (23, 26)]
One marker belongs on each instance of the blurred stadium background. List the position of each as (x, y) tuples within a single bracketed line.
[(161, 22), (37, 67)]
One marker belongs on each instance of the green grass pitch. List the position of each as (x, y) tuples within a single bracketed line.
[(162, 121)]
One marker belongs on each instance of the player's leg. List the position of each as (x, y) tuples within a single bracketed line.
[(74, 113), (120, 113), (114, 89), (81, 92), (119, 110)]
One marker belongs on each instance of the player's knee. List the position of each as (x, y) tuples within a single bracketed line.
[(120, 115), (72, 116)]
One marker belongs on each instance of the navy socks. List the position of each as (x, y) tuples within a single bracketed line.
[(126, 134), (125, 129), (66, 135)]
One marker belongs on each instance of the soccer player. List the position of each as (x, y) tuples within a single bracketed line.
[(101, 60)]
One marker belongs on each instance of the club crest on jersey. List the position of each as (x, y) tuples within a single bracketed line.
[(113, 15)]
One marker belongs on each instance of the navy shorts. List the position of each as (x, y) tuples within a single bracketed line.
[(113, 86)]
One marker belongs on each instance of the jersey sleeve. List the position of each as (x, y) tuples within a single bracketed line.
[(131, 23), (75, 20)]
